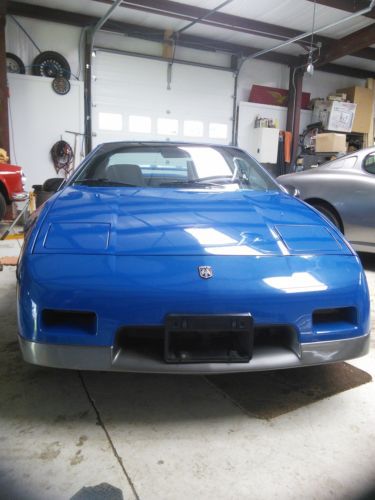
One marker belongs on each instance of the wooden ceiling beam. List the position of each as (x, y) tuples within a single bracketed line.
[(351, 6), (348, 45)]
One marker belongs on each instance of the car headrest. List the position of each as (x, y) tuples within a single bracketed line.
[(126, 173)]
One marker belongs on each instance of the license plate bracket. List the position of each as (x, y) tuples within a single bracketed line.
[(212, 338)]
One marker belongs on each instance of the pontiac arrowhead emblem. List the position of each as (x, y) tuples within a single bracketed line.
[(205, 272)]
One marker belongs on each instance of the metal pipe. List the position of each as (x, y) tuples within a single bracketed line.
[(177, 33), (105, 18), (318, 30), (235, 111), (90, 35)]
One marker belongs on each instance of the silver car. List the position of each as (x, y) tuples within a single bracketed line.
[(344, 191)]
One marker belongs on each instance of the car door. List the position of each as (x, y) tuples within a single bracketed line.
[(359, 203)]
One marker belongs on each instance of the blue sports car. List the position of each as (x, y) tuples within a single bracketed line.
[(185, 258)]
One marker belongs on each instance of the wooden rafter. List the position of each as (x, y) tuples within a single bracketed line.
[(348, 45), (351, 6)]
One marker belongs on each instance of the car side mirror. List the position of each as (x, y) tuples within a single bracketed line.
[(292, 190), (53, 185)]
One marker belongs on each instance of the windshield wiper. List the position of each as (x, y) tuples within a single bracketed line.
[(196, 183), (103, 182)]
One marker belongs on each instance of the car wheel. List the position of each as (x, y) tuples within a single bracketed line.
[(331, 215), (14, 64), (51, 64), (3, 206)]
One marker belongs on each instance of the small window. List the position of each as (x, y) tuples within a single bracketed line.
[(249, 175), (193, 128), (167, 126), (110, 121), (350, 162), (342, 163), (218, 131), (140, 124), (369, 163)]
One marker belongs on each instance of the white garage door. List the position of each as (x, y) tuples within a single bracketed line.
[(131, 101)]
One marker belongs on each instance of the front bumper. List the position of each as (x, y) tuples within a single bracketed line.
[(117, 359)]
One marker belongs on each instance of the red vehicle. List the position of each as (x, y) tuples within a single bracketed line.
[(11, 186)]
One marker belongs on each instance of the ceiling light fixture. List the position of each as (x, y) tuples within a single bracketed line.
[(310, 65)]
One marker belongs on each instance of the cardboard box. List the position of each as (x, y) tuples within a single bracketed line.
[(362, 97), (330, 143), (337, 97), (334, 115)]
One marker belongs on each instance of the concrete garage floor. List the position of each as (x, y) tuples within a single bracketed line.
[(284, 435)]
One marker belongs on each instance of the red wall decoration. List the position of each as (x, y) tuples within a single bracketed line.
[(275, 96)]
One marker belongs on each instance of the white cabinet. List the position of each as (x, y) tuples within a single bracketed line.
[(247, 113), (264, 143)]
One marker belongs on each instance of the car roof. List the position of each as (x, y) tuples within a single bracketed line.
[(361, 153), (162, 143)]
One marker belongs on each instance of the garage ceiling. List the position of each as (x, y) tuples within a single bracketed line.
[(240, 27)]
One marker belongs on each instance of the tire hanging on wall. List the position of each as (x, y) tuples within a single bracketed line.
[(51, 64), (14, 64)]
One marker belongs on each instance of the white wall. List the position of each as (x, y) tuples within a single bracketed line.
[(39, 117), (321, 84), (255, 71)]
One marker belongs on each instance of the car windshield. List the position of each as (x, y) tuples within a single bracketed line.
[(174, 166)]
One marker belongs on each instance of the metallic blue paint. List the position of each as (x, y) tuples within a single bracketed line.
[(150, 221), (131, 256), (131, 290)]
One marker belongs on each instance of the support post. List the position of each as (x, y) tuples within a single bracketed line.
[(87, 91), (370, 84), (4, 120), (294, 108), (236, 66)]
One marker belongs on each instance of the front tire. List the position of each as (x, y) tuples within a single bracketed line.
[(3, 206), (331, 215)]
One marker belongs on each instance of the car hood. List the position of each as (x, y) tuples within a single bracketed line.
[(149, 221)]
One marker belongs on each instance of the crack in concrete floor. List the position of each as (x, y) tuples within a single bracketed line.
[(110, 441)]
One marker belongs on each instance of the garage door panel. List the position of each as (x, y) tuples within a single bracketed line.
[(134, 89)]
